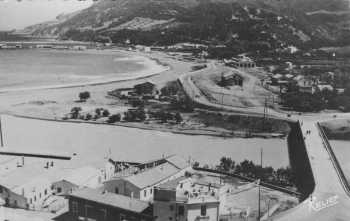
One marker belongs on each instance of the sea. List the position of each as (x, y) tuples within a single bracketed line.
[(45, 67)]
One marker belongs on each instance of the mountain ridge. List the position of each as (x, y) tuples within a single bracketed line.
[(276, 23)]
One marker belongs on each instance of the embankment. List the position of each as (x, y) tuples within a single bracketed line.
[(299, 161)]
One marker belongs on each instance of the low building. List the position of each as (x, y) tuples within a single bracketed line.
[(231, 79), (26, 187), (146, 88), (241, 62), (141, 185), (96, 205), (77, 178), (323, 87), (182, 200), (306, 84)]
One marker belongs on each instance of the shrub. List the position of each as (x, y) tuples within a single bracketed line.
[(75, 112), (105, 113), (88, 117), (114, 118), (83, 96)]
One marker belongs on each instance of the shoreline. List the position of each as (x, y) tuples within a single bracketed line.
[(136, 125), (152, 68)]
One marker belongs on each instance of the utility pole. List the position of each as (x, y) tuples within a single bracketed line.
[(259, 195), (1, 137)]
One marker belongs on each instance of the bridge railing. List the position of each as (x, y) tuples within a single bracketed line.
[(334, 159)]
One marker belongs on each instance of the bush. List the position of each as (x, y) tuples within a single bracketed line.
[(83, 96), (171, 88), (88, 117), (105, 113), (98, 111), (135, 115), (75, 112), (114, 118)]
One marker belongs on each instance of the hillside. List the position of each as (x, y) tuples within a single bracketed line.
[(264, 23)]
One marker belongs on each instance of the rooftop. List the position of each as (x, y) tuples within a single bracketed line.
[(80, 176), (111, 199), (152, 176)]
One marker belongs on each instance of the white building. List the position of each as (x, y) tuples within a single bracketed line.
[(141, 185), (184, 199), (77, 178), (26, 186)]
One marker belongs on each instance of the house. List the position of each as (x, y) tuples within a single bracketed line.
[(97, 205), (141, 184), (306, 84), (241, 62), (146, 88), (77, 178), (231, 79), (323, 87), (182, 199)]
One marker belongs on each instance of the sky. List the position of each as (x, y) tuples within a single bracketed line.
[(15, 14)]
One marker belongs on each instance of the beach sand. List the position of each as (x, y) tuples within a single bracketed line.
[(56, 101)]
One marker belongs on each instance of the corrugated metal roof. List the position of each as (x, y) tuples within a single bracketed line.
[(81, 176), (152, 176), (177, 161), (111, 199), (172, 184)]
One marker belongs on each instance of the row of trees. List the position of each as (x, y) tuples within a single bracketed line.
[(325, 99), (132, 115), (281, 177)]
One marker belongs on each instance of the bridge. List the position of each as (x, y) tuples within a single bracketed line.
[(324, 185)]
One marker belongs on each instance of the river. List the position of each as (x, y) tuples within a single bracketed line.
[(92, 142)]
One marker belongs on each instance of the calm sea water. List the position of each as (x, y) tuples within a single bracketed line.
[(92, 142), (52, 67)]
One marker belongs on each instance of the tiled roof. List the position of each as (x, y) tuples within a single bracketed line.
[(111, 199)]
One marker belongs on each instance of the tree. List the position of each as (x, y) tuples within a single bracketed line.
[(83, 96), (105, 113), (98, 111), (226, 164), (178, 117), (75, 112), (114, 118), (88, 117)]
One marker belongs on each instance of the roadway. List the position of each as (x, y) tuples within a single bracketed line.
[(197, 96)]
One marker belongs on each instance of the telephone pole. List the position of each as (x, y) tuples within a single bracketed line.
[(259, 194)]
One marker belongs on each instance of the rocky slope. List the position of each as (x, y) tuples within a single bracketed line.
[(267, 23)]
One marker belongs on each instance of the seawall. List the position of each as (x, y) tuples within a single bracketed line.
[(299, 161)]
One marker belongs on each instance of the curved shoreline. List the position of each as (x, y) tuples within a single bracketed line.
[(152, 67)]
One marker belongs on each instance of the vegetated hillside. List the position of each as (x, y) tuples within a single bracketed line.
[(244, 24)]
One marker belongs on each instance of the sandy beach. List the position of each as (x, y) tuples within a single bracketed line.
[(55, 101)]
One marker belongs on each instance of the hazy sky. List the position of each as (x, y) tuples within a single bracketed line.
[(19, 14)]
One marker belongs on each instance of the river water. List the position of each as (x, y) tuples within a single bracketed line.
[(93, 142), (341, 149)]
